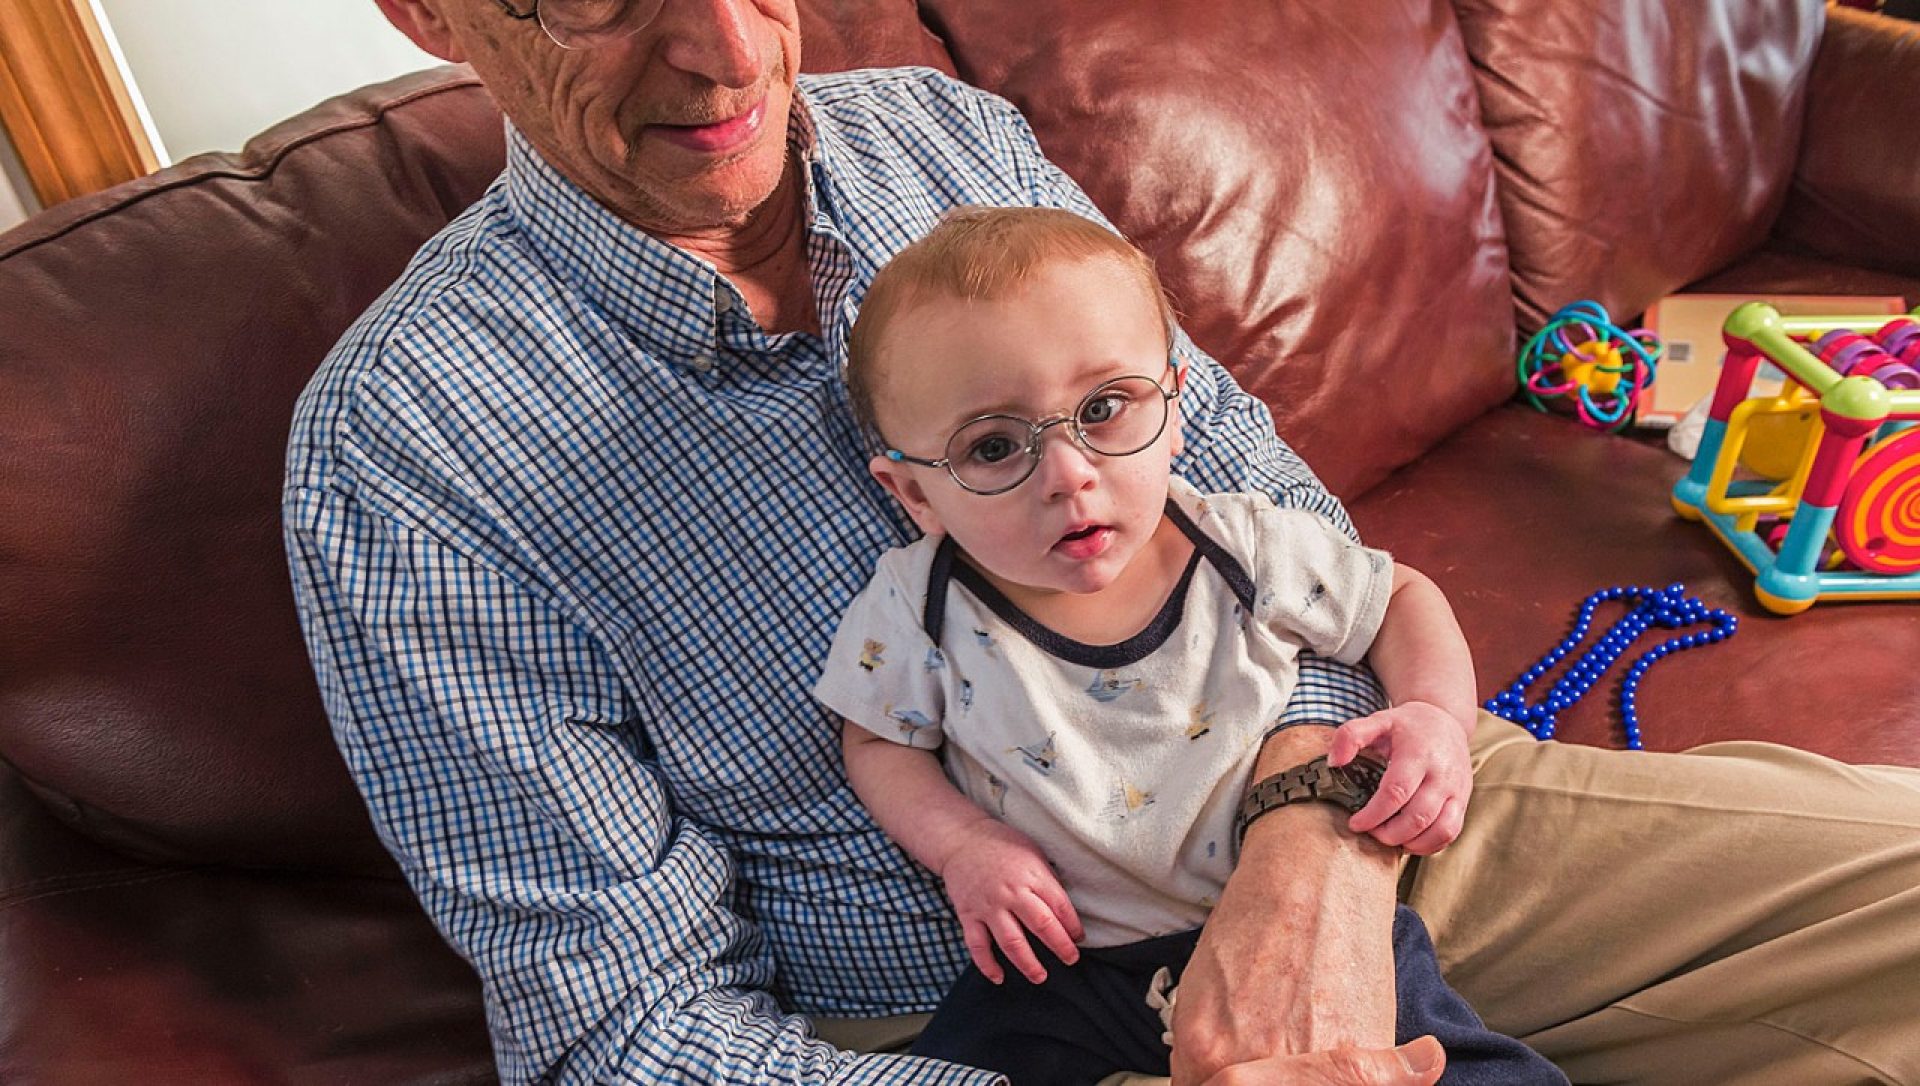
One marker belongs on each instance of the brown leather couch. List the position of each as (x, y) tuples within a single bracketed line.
[(1357, 204)]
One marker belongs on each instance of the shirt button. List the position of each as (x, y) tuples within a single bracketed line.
[(703, 361), (722, 300)]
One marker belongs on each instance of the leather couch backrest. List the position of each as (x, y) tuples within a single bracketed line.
[(1640, 145), (1853, 190)]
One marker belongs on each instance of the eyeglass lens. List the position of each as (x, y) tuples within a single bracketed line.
[(584, 24), (998, 452)]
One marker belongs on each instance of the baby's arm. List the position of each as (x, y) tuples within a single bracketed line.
[(1420, 653), (997, 879), (1422, 660)]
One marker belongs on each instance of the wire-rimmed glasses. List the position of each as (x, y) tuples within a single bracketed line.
[(992, 454), (587, 24)]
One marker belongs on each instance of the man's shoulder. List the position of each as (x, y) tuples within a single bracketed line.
[(438, 313), (902, 144)]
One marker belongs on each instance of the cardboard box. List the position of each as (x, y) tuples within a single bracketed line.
[(1689, 324)]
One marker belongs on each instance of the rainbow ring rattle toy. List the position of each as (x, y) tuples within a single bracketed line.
[(1582, 354)]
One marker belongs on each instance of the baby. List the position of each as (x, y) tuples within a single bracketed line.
[(1055, 699)]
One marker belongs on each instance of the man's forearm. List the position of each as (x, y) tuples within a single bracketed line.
[(1298, 955)]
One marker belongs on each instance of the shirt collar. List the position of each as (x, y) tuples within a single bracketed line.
[(820, 146), (665, 299)]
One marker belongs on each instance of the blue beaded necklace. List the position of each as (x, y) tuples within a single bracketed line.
[(1670, 609)]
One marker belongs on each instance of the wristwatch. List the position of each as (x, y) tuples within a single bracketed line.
[(1349, 786)]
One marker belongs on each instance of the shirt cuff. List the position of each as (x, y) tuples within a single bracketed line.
[(1331, 693)]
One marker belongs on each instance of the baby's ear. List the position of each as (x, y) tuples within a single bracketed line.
[(900, 481)]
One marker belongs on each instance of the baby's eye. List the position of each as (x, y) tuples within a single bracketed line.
[(1103, 408), (992, 449)]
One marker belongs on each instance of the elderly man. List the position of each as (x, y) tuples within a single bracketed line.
[(571, 512)]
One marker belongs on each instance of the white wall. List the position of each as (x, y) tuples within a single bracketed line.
[(215, 72), (16, 194)]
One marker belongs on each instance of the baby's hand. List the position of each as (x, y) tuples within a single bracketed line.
[(1422, 799), (1002, 888)]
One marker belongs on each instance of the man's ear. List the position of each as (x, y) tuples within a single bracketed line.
[(899, 481), (424, 24)]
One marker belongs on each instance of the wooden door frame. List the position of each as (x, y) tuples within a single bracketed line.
[(65, 107)]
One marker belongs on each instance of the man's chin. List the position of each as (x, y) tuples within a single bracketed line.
[(721, 196), (727, 207)]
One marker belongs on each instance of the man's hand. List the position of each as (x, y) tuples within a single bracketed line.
[(1422, 799), (1416, 1063), (1002, 888)]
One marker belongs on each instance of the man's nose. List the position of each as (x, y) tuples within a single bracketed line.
[(1066, 466), (719, 40)]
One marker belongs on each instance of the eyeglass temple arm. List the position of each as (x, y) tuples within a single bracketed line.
[(897, 456)]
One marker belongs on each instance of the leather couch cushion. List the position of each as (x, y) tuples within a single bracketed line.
[(122, 972), (1336, 258), (839, 34), (1781, 267), (1640, 146)]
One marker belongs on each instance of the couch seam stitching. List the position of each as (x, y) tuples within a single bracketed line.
[(104, 884)]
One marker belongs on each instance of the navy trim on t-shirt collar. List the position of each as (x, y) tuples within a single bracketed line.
[(946, 568)]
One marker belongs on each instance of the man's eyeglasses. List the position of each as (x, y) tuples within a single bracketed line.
[(993, 454), (587, 24)]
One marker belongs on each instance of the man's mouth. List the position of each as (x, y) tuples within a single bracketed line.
[(717, 137)]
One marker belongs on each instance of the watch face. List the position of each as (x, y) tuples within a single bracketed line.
[(1360, 778)]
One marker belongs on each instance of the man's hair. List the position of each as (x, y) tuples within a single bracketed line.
[(980, 254)]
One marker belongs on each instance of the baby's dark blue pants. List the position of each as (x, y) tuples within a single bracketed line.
[(1090, 1019)]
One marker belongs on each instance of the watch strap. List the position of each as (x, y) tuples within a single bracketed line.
[(1349, 786)]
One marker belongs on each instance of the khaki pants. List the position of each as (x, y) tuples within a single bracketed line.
[(1743, 913)]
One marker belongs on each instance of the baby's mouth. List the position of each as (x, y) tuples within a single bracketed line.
[(1085, 543)]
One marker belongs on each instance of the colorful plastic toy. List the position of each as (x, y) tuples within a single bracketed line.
[(1817, 487), (1582, 355)]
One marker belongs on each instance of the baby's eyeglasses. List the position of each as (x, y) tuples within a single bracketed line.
[(992, 454)]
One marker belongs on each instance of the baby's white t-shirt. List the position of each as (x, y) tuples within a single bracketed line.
[(1124, 763)]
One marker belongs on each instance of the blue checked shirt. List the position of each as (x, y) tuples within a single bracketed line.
[(570, 535)]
